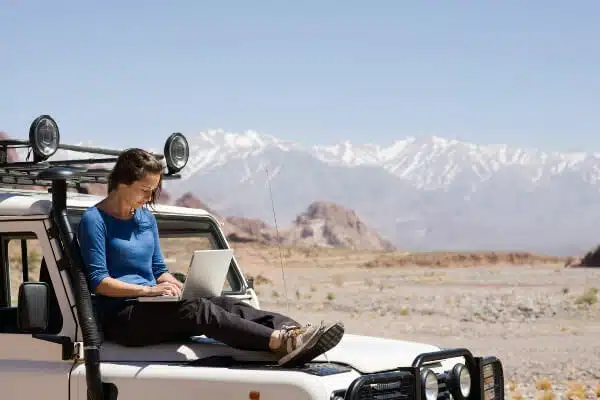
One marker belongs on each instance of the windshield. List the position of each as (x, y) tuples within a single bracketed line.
[(179, 237)]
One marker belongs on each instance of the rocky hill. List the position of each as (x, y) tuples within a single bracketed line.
[(191, 201), (326, 224), (323, 224), (239, 229)]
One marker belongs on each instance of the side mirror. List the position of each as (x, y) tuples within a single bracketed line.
[(250, 283), (32, 309)]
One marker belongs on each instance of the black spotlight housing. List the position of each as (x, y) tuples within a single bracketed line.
[(176, 152), (44, 137)]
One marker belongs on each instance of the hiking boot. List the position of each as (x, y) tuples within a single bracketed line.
[(301, 345)]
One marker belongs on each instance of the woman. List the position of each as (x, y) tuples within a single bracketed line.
[(120, 247)]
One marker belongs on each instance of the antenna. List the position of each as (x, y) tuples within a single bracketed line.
[(287, 300)]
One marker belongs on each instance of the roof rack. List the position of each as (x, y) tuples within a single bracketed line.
[(44, 141)]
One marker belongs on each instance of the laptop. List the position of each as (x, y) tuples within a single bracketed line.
[(205, 277)]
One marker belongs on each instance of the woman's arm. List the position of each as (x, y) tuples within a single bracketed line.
[(111, 287)]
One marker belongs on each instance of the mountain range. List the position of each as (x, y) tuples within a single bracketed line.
[(420, 193)]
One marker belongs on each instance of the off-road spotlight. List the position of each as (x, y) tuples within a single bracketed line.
[(459, 382), (429, 384), (176, 152), (44, 137)]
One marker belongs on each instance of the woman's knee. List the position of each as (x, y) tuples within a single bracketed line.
[(198, 308)]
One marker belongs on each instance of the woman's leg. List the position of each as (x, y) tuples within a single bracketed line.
[(270, 319), (293, 342), (141, 323)]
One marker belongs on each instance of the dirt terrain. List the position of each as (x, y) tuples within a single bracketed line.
[(541, 319)]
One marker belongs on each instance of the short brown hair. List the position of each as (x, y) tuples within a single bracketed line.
[(132, 165)]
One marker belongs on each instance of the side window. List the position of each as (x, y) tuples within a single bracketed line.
[(21, 260), (24, 258)]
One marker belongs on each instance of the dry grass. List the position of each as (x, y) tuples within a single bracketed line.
[(513, 392), (543, 384), (589, 297), (576, 391), (546, 395)]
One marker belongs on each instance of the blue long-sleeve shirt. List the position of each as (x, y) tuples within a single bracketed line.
[(127, 250)]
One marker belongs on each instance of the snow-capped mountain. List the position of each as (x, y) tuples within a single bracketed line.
[(429, 163), (421, 193)]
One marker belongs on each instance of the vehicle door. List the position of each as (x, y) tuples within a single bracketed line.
[(31, 365)]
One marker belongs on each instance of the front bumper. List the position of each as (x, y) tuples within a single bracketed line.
[(487, 380)]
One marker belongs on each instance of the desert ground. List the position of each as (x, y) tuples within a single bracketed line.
[(541, 319)]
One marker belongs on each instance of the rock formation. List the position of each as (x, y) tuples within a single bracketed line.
[(326, 224), (191, 201), (240, 229), (323, 224)]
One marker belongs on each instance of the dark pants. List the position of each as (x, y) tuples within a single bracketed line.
[(225, 319)]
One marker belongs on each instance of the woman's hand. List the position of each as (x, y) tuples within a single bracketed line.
[(167, 277), (165, 289)]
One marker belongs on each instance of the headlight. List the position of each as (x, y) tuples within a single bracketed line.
[(429, 384), (460, 381), (44, 137), (176, 152)]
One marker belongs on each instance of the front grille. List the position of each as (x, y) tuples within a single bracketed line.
[(386, 391), (397, 385)]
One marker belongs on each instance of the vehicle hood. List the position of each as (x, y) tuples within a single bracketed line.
[(369, 354), (366, 354)]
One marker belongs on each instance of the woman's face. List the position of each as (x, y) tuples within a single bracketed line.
[(140, 192)]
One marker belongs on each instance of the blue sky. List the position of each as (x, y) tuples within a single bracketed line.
[(122, 73)]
